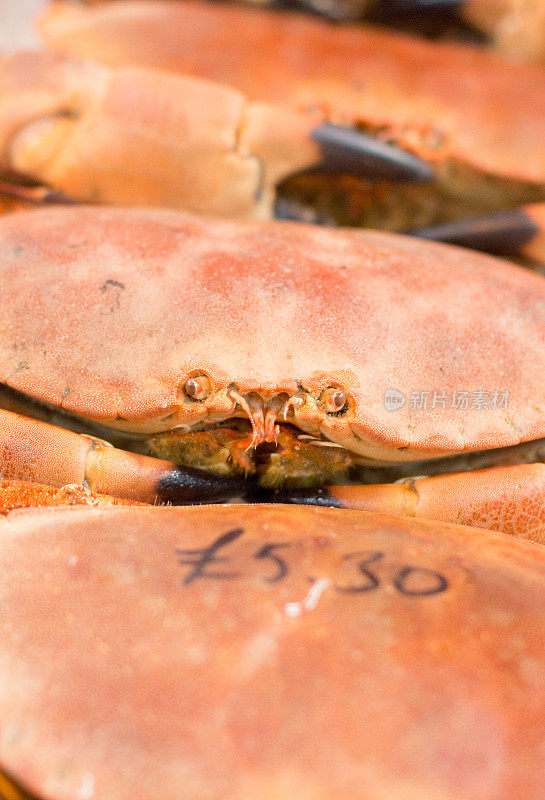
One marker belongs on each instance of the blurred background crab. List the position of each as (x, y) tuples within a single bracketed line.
[(414, 135)]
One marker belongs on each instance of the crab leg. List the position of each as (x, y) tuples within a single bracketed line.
[(41, 453), (32, 195), (506, 499), (23, 494), (519, 232)]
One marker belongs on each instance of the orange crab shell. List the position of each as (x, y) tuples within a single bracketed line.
[(23, 494), (516, 26), (439, 100), (340, 655), (106, 313)]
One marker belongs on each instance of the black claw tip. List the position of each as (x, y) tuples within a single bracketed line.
[(300, 497), (504, 233), (335, 10), (288, 209), (352, 151), (420, 5), (188, 486)]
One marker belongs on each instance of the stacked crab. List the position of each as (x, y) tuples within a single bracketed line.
[(390, 646)]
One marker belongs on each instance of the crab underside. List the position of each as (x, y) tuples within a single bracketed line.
[(458, 191)]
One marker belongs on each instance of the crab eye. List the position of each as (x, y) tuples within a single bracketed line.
[(197, 388), (333, 400)]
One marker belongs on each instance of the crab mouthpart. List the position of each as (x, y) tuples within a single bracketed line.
[(295, 402), (261, 413), (291, 459)]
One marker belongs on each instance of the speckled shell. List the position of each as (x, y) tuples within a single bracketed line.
[(106, 312), (23, 494), (440, 100), (296, 675)]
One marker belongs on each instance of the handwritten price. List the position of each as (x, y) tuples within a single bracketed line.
[(211, 563)]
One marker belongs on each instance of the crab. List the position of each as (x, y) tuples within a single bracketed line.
[(267, 652), (223, 358), (187, 142), (475, 152)]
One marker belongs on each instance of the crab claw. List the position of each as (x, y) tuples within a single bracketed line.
[(517, 232), (349, 150), (187, 142), (42, 453), (506, 499), (189, 486)]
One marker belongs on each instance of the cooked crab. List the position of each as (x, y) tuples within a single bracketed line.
[(294, 354), (270, 652), (483, 145)]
